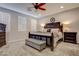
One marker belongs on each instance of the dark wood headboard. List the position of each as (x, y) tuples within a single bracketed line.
[(54, 25)]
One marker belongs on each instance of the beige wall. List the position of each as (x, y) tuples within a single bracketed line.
[(13, 34), (32, 24), (71, 16)]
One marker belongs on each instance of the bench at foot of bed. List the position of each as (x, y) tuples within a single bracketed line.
[(37, 44)]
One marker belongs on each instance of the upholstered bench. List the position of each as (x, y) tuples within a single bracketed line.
[(37, 44)]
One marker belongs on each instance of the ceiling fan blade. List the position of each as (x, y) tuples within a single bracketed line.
[(42, 8), (35, 5), (41, 4), (38, 6)]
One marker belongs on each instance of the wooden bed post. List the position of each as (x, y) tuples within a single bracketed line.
[(29, 35), (52, 42)]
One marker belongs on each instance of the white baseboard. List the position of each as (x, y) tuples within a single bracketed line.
[(12, 41)]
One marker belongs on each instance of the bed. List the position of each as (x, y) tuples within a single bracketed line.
[(53, 34)]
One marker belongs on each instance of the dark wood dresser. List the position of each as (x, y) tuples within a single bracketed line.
[(2, 34), (70, 37)]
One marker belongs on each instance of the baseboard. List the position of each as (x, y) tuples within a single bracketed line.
[(15, 41)]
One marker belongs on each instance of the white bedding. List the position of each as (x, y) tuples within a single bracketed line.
[(57, 38), (57, 35)]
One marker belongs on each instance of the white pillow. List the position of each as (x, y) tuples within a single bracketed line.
[(55, 32), (60, 35)]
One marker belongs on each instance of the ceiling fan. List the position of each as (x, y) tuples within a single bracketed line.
[(39, 6)]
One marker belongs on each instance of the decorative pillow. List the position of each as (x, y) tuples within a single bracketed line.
[(60, 35), (48, 30), (55, 32)]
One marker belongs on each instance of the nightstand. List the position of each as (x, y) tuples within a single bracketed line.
[(70, 37)]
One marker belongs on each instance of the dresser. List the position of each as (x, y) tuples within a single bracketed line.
[(70, 37), (2, 34)]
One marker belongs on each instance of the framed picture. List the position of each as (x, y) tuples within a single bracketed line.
[(52, 19)]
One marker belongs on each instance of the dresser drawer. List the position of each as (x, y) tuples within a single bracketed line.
[(2, 43), (70, 41), (2, 40), (68, 37), (2, 33), (2, 36)]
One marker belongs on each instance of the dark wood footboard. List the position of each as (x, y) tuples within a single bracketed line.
[(41, 37)]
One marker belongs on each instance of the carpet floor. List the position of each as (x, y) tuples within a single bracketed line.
[(20, 49)]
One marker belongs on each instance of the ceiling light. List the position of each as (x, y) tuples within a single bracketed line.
[(61, 7)]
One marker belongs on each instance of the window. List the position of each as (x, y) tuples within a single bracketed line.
[(22, 23), (5, 19)]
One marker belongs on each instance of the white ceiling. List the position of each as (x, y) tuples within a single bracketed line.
[(51, 8)]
